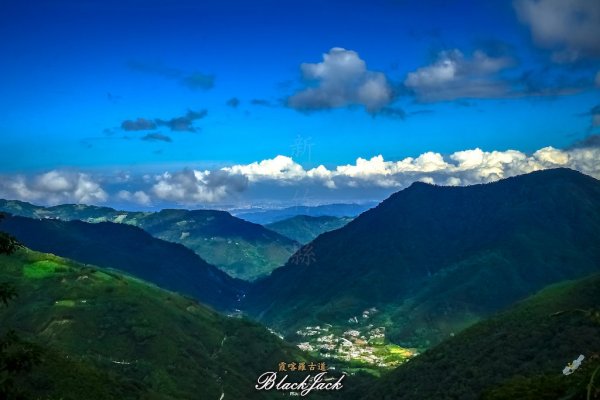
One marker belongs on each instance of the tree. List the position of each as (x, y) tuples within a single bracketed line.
[(8, 245)]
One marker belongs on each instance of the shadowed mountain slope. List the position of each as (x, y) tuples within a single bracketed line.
[(132, 250), (436, 259)]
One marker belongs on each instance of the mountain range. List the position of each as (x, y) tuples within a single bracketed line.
[(434, 260), (496, 285), (268, 216), (305, 228), (106, 335), (242, 249), (131, 250)]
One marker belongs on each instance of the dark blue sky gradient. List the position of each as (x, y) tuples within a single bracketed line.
[(73, 71)]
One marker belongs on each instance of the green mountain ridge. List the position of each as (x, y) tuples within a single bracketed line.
[(517, 354), (132, 250), (434, 260), (305, 228), (113, 336), (243, 249), (430, 265)]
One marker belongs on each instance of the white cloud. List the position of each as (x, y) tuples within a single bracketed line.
[(427, 179), (453, 181), (586, 160), (282, 176), (570, 27), (54, 187), (550, 155), (459, 168), (453, 76), (139, 197), (342, 79), (54, 181), (280, 167), (426, 162), (374, 170), (194, 187), (323, 175)]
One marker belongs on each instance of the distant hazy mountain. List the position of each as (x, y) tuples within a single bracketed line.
[(435, 259), (333, 210), (304, 228), (65, 211), (132, 250), (518, 354), (242, 249), (110, 336)]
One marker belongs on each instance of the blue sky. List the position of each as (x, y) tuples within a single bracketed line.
[(132, 88)]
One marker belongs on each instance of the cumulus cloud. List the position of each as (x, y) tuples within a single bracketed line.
[(453, 76), (570, 28), (140, 124), (183, 123), (340, 80), (282, 176), (192, 187), (138, 197), (54, 187), (280, 167), (465, 167), (459, 168), (156, 137)]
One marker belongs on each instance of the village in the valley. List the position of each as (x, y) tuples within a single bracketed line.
[(359, 341)]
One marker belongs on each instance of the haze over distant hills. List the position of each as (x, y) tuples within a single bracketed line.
[(240, 248), (304, 228), (437, 259), (268, 216)]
